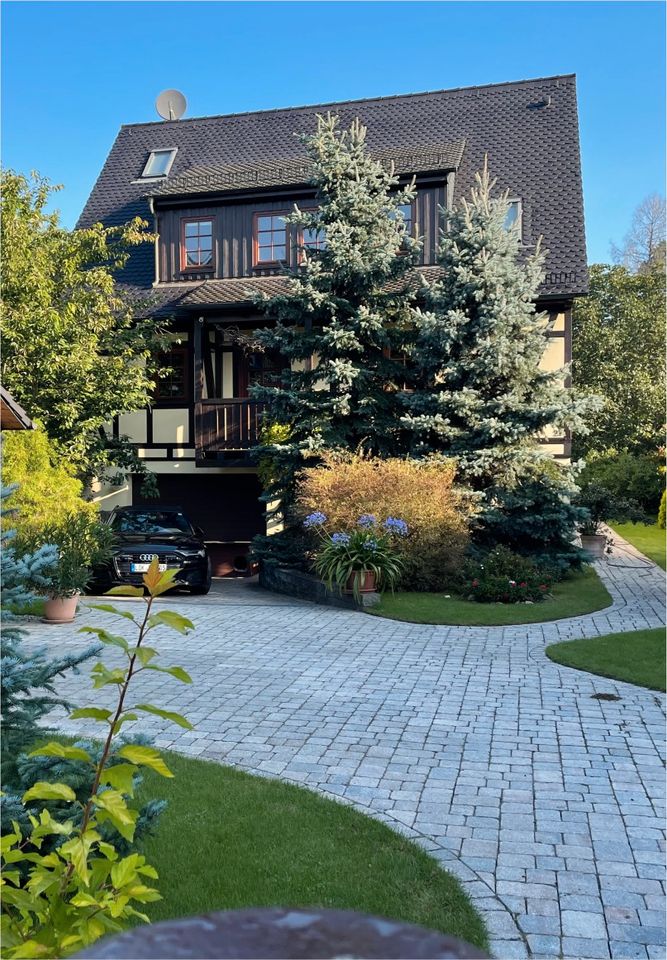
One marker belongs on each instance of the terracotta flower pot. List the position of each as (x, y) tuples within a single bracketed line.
[(594, 544), (366, 582), (60, 609)]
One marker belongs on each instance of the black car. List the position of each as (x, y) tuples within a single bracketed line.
[(142, 533)]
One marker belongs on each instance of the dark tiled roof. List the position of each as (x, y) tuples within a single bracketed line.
[(218, 178), (241, 290), (529, 129)]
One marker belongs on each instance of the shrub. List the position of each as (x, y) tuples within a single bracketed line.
[(422, 493), (82, 540), (502, 576), (626, 475), (536, 518), (47, 490), (602, 505), (662, 509)]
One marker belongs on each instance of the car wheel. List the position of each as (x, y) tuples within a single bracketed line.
[(200, 591)]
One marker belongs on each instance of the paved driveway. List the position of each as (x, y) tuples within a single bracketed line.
[(545, 801)]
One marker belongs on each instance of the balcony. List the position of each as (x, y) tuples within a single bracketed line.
[(226, 427)]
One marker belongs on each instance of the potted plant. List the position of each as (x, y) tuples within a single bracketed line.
[(82, 541), (602, 505), (362, 561)]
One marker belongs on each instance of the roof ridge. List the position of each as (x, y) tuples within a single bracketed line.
[(341, 103)]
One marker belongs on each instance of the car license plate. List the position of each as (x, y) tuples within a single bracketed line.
[(143, 567)]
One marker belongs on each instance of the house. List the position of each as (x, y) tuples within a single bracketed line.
[(215, 189), (12, 415)]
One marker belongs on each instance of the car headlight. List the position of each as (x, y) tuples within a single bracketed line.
[(191, 554)]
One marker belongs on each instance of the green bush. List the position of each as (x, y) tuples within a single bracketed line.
[(47, 492), (627, 475), (422, 493), (502, 576), (661, 511)]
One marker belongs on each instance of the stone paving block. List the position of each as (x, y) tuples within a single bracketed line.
[(583, 923), (582, 948), (508, 949), (543, 946)]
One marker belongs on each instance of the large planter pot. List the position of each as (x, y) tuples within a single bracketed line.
[(366, 582), (594, 544), (60, 609)]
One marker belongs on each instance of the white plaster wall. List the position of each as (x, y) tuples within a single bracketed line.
[(107, 496), (171, 425), (133, 425)]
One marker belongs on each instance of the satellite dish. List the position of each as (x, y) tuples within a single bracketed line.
[(171, 105)]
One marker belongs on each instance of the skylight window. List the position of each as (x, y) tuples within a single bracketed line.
[(159, 163), (513, 218)]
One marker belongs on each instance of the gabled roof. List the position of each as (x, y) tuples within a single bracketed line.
[(12, 414), (528, 129)]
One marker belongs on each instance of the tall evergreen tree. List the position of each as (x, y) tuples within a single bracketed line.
[(480, 394), (347, 314)]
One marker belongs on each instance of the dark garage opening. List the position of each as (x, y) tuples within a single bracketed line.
[(225, 506)]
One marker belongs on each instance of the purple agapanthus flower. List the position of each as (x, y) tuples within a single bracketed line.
[(367, 520), (394, 525), (340, 539), (315, 519), (371, 544)]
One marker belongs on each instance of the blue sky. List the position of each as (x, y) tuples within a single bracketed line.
[(73, 72)]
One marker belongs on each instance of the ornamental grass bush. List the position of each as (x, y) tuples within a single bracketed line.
[(438, 513)]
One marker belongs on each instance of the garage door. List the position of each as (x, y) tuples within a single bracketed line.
[(225, 506)]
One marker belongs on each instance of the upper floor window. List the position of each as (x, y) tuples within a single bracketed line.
[(270, 239), (159, 163), (197, 244), (173, 385), (513, 218), (314, 238), (407, 209)]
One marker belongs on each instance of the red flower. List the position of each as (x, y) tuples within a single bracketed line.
[(475, 583), (543, 586), (524, 584)]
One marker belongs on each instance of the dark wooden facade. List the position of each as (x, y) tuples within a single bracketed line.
[(233, 228)]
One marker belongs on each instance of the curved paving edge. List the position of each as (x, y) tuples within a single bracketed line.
[(544, 801)]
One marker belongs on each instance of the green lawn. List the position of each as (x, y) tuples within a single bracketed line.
[(647, 537), (581, 593), (33, 609), (637, 657), (230, 840)]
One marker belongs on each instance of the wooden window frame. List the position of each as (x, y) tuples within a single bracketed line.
[(256, 262), (185, 398), (191, 268), (413, 217)]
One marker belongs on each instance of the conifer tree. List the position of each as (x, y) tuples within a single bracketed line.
[(347, 314), (480, 394)]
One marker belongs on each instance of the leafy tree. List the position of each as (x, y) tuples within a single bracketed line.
[(73, 354), (643, 246), (618, 349), (480, 394), (349, 305), (46, 490)]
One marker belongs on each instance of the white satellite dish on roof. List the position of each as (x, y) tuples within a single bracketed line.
[(171, 105)]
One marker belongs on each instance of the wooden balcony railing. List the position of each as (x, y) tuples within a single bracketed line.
[(222, 425)]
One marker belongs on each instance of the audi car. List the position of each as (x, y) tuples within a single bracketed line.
[(143, 533)]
